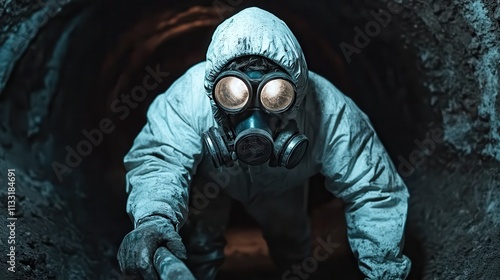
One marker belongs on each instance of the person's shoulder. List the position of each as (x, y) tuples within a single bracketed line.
[(324, 95), (197, 70), (187, 97), (188, 88), (327, 99), (193, 79)]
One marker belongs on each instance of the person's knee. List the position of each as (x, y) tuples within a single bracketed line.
[(199, 236), (205, 249)]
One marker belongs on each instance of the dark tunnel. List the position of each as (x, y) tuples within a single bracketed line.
[(420, 73)]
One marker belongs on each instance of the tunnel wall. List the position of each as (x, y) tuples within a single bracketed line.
[(459, 59), (455, 46), (20, 22), (458, 46)]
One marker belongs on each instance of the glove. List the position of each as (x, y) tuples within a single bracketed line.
[(138, 247)]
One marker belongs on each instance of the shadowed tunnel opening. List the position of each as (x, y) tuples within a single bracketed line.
[(102, 52)]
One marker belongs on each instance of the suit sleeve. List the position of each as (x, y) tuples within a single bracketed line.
[(164, 156), (359, 171)]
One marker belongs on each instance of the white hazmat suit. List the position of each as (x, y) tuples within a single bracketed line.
[(168, 160)]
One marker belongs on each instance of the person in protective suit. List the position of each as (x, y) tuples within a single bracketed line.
[(253, 124)]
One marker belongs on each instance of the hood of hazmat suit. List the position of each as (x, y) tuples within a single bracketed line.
[(169, 152), (241, 36)]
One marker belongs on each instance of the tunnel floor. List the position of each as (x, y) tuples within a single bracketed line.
[(247, 255)]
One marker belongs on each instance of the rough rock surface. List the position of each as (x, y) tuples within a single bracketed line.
[(460, 60), (434, 66)]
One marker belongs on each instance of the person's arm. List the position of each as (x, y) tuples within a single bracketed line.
[(165, 154), (160, 166), (359, 171)]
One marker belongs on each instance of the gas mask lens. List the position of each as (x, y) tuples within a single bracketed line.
[(232, 93), (277, 95)]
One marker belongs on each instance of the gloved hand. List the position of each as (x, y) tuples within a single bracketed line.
[(136, 252)]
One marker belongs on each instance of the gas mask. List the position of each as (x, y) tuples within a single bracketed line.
[(255, 103)]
